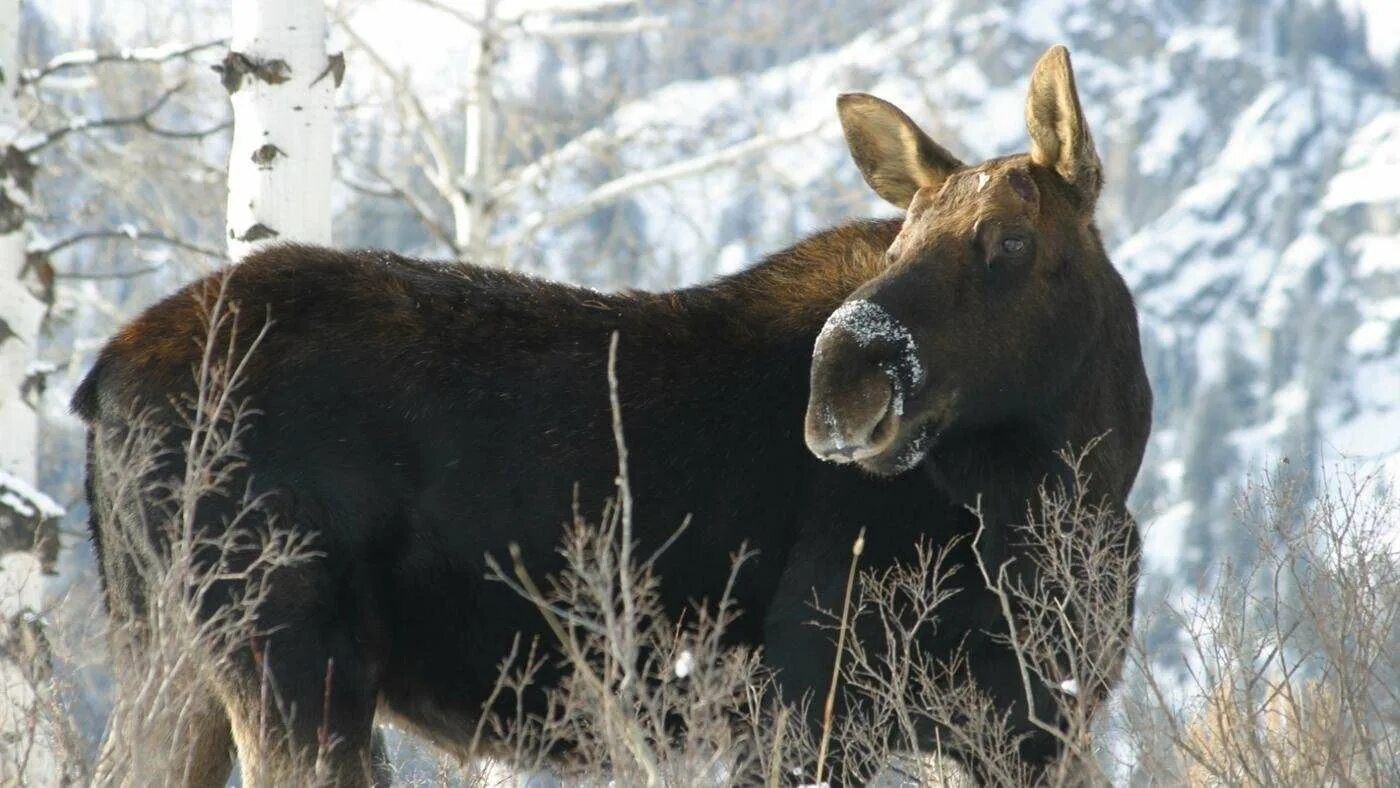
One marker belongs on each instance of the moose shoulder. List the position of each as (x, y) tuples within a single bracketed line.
[(416, 417)]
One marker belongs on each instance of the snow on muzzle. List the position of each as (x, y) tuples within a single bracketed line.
[(864, 365)]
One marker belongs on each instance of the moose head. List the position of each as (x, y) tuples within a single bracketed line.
[(987, 306)]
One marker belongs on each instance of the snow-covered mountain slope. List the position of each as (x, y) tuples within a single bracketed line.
[(1253, 204)]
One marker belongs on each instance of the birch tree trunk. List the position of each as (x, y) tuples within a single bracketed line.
[(20, 309), (281, 83), (479, 171), (28, 519)]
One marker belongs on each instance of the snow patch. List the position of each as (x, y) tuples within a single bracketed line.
[(24, 499), (1181, 118), (1213, 43), (1376, 254), (685, 664), (1370, 166), (733, 257), (1164, 537), (1381, 21), (912, 453)]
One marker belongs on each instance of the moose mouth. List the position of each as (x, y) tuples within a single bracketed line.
[(878, 438), (903, 454)]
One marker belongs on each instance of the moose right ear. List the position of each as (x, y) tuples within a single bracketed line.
[(894, 155)]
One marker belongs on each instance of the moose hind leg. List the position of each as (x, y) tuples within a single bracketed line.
[(198, 753), (381, 767), (209, 747), (302, 699)]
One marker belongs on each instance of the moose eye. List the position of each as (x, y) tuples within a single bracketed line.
[(1010, 251)]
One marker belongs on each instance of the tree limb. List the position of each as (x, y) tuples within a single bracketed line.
[(123, 233), (393, 190), (595, 29), (88, 58), (141, 119), (562, 7), (441, 174), (622, 187)]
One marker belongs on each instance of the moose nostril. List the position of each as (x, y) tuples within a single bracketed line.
[(862, 428), (869, 431), (884, 429)]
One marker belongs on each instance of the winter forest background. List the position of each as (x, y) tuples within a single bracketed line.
[(1252, 154)]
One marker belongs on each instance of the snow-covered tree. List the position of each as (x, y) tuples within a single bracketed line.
[(281, 83), (21, 310), (27, 516), (53, 117)]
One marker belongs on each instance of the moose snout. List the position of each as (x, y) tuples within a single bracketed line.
[(863, 364), (857, 422)]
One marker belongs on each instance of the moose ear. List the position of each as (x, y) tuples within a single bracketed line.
[(1060, 137), (894, 155)]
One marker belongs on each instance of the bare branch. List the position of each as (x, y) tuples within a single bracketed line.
[(592, 29), (627, 185), (585, 144), (87, 58), (577, 7), (132, 234), (562, 8), (393, 190), (442, 172), (142, 119)]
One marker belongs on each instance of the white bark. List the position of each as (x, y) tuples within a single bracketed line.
[(282, 87), (20, 309), (26, 752), (479, 170)]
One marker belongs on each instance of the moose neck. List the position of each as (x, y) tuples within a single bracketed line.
[(789, 295)]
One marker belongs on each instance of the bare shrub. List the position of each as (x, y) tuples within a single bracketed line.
[(649, 701), (1293, 678), (39, 741), (1291, 674), (1066, 607)]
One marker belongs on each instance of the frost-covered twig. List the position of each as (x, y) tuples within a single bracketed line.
[(593, 29)]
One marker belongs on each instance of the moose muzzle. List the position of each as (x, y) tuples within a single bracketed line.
[(863, 365)]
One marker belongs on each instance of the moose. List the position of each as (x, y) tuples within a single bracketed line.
[(416, 417)]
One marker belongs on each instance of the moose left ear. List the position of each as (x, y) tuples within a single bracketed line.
[(894, 155), (1060, 136)]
